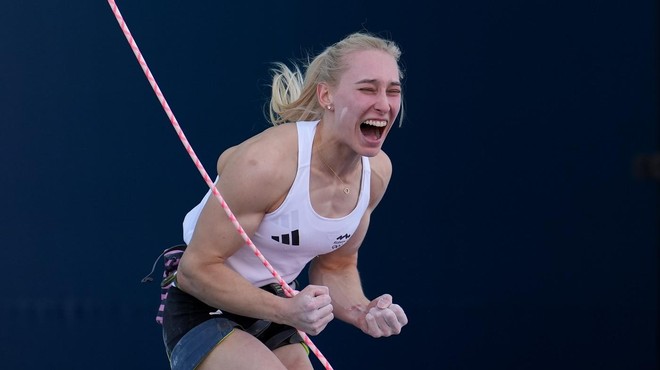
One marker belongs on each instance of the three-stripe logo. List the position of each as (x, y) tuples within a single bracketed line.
[(292, 238)]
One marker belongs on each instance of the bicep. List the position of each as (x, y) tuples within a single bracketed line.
[(215, 234), (242, 187)]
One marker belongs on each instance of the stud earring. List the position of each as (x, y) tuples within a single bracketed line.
[(329, 107)]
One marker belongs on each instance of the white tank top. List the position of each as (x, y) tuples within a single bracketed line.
[(294, 233)]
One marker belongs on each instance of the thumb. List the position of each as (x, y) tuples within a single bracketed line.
[(384, 301)]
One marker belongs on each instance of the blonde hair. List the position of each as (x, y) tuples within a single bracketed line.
[(293, 96)]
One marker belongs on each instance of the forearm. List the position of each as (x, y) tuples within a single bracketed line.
[(344, 284), (221, 287)]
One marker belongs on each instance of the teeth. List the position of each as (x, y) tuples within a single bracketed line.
[(373, 122)]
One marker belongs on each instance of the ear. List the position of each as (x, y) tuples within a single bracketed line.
[(324, 95)]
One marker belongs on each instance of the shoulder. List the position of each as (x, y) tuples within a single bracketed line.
[(381, 173), (381, 169), (262, 166), (270, 146)]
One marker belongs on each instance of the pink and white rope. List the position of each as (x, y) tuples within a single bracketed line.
[(152, 81)]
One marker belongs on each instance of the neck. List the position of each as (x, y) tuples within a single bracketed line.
[(341, 169), (335, 155)]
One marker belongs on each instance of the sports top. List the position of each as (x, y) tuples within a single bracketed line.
[(294, 233)]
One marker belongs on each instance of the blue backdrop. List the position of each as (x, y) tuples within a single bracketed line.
[(514, 232)]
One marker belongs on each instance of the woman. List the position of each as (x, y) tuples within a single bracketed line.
[(303, 191)]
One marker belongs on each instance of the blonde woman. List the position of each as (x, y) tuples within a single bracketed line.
[(303, 191)]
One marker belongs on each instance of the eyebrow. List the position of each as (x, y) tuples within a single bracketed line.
[(374, 81)]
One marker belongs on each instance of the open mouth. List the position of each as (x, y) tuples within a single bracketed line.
[(372, 128)]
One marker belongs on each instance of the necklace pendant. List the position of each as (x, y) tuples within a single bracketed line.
[(347, 191)]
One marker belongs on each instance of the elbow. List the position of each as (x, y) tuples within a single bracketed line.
[(185, 276), (194, 273)]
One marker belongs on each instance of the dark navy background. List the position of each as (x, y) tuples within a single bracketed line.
[(514, 231)]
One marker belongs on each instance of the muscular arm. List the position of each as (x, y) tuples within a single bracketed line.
[(338, 271), (252, 183)]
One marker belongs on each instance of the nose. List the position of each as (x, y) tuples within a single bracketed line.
[(382, 103)]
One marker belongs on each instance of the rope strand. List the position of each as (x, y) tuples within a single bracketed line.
[(152, 81)]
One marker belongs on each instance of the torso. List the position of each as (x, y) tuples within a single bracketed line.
[(311, 217)]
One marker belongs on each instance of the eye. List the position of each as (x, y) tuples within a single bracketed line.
[(394, 92), (368, 89)]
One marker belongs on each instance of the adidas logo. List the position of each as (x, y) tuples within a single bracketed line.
[(292, 238)]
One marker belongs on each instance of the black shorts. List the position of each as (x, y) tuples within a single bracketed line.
[(183, 313)]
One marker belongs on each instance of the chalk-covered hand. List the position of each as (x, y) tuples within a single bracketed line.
[(311, 309), (382, 318)]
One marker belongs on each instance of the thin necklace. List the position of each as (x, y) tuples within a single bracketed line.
[(346, 189)]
